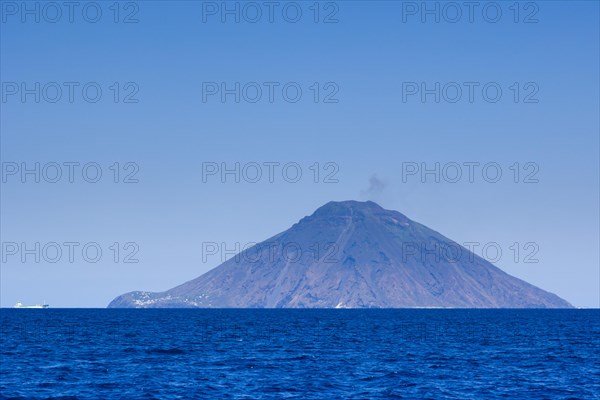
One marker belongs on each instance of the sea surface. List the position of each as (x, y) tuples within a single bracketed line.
[(299, 354)]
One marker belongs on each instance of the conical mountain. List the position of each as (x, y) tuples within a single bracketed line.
[(352, 254)]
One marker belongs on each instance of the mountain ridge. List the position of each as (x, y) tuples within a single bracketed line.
[(352, 254)]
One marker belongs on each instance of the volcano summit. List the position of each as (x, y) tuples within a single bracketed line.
[(352, 254)]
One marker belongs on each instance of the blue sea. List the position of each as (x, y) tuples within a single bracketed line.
[(299, 354)]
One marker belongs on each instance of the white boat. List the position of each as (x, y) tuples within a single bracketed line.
[(21, 305)]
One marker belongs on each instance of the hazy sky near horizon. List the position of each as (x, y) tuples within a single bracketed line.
[(384, 96)]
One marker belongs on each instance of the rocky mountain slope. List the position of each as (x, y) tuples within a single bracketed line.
[(352, 254)]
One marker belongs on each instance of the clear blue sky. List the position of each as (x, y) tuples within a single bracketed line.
[(369, 133)]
